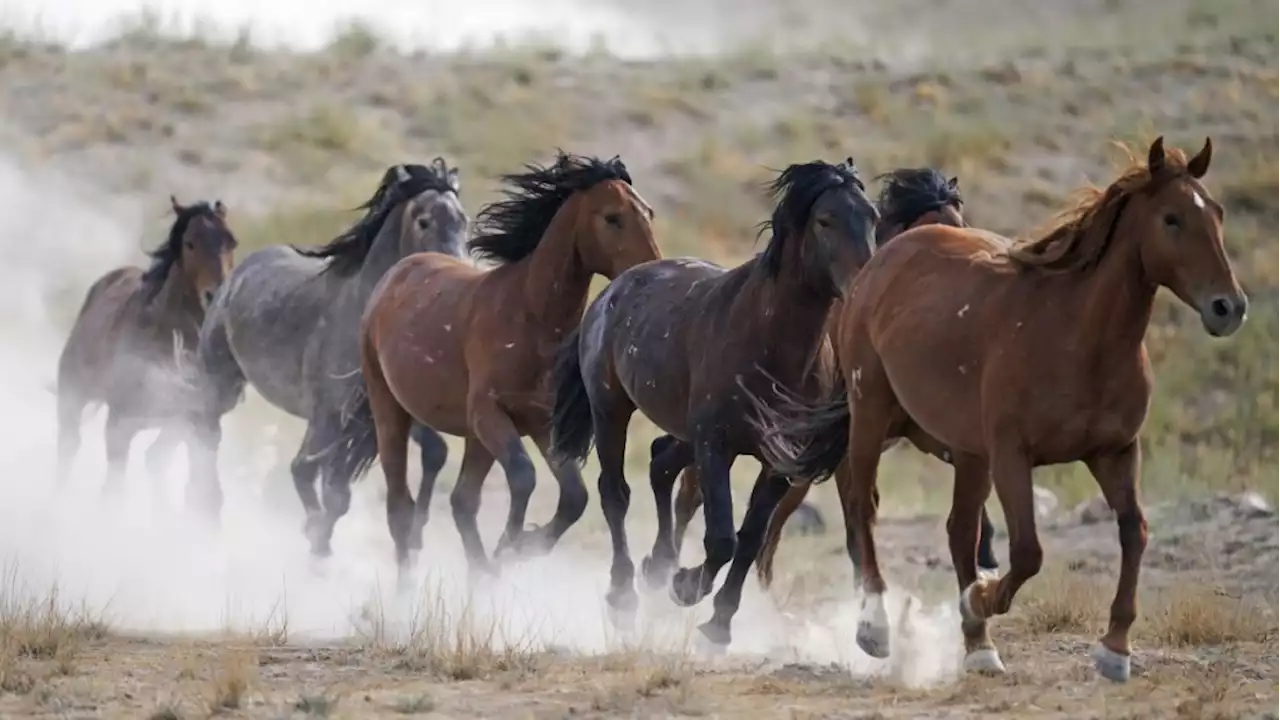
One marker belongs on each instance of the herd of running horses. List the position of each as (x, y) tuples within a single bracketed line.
[(861, 323)]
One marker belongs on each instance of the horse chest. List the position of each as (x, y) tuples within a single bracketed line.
[(1101, 416)]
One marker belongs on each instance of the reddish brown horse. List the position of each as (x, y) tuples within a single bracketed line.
[(468, 352), (1016, 356), (908, 198), (133, 338)]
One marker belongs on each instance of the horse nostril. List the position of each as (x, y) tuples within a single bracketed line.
[(1220, 307)]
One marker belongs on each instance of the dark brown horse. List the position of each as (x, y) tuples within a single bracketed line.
[(909, 197), (133, 342), (673, 338), (1016, 356), (468, 352)]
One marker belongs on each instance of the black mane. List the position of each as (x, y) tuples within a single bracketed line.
[(909, 193), (509, 230), (346, 253), (164, 257), (795, 190)]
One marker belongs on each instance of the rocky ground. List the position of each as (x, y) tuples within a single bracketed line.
[(1018, 100)]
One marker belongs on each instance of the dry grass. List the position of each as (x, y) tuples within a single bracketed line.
[(40, 636), (233, 674), (1197, 615)]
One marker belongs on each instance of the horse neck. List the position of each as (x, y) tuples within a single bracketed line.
[(1116, 299), (384, 253), (176, 307), (554, 278), (794, 313)]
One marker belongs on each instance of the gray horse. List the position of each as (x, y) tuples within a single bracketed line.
[(288, 320)]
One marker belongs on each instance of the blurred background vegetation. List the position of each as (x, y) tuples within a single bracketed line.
[(291, 140)]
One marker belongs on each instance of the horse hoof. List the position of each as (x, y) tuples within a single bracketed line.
[(708, 642), (716, 634), (622, 619), (873, 639), (686, 588), (984, 661), (1111, 664), (657, 575)]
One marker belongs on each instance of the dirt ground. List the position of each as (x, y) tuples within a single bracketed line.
[(1018, 99)]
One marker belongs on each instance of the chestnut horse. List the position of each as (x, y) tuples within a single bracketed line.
[(132, 342), (671, 338), (909, 197), (1016, 356), (468, 351), (287, 322)]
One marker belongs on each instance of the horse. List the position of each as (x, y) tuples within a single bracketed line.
[(287, 321), (669, 338), (130, 344), (468, 351), (1015, 356), (908, 197)]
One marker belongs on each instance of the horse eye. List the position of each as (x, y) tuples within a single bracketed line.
[(614, 219), (823, 223), (1171, 221), (423, 223)]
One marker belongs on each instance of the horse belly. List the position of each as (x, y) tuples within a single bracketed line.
[(942, 396)]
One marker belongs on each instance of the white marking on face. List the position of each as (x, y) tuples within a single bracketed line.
[(1195, 198)]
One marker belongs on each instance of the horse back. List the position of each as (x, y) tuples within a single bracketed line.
[(104, 314)]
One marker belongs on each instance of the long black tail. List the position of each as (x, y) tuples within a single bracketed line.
[(572, 428), (800, 438), (355, 448)]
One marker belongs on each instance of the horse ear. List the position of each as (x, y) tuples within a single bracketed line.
[(402, 174), (220, 209), (451, 177), (1199, 164), (177, 207), (953, 183), (1155, 156)]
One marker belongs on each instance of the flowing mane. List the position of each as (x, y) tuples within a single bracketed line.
[(164, 257), (795, 190), (346, 253), (510, 229), (1079, 236)]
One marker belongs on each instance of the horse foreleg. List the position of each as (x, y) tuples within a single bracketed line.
[(494, 429), (719, 541), (204, 490), (465, 503), (70, 414), (434, 453), (765, 495), (158, 459), (1117, 477), (970, 490), (119, 433), (304, 468)]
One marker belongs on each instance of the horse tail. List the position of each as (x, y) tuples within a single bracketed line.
[(572, 427), (355, 447), (773, 533), (799, 438)]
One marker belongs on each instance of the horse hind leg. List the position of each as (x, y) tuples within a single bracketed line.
[(610, 428), (304, 468), (667, 457)]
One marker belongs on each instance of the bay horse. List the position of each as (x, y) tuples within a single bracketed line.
[(468, 351), (131, 343), (670, 338), (1015, 356), (908, 197), (288, 320)]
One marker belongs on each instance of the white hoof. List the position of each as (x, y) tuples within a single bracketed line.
[(1111, 664), (873, 639), (984, 661)]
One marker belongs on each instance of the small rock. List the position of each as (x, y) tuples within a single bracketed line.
[(1046, 503), (1093, 511), (1252, 505)]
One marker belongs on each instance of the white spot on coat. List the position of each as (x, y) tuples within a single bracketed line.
[(963, 310), (855, 378)]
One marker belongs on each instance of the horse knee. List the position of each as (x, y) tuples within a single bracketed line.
[(719, 551), (337, 499), (463, 502)]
